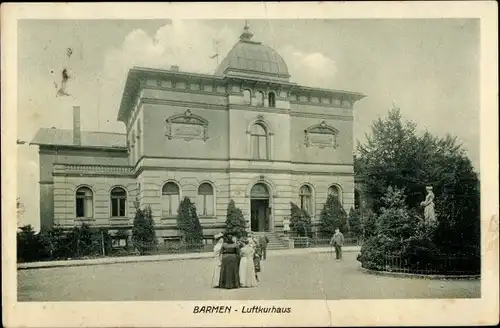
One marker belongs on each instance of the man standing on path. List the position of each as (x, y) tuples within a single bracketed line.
[(337, 241), (263, 241)]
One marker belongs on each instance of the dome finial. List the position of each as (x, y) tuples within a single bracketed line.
[(246, 35)]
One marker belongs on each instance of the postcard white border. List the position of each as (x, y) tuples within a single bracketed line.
[(305, 313)]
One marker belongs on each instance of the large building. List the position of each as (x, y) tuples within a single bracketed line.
[(245, 133)]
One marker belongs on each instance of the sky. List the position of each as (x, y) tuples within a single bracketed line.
[(429, 68)]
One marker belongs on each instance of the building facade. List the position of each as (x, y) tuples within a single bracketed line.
[(245, 133)]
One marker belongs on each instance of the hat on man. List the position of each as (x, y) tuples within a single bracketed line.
[(218, 236)]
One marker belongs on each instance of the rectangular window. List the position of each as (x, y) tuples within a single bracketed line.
[(305, 204), (205, 204), (262, 148), (88, 208), (121, 207), (80, 207), (118, 207), (255, 147), (170, 205)]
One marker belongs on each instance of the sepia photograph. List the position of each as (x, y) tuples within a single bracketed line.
[(285, 159)]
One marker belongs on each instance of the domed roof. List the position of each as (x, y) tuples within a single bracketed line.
[(250, 58)]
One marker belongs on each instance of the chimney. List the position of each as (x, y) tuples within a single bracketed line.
[(174, 68), (76, 126)]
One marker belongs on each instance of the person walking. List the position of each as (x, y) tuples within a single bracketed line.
[(263, 241), (337, 241)]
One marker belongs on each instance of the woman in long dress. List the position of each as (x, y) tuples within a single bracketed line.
[(229, 275), (247, 270), (217, 257)]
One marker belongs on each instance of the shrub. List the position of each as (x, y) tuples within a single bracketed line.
[(189, 223), (30, 245), (235, 221), (333, 216), (355, 225), (300, 220), (401, 239), (369, 224), (143, 232)]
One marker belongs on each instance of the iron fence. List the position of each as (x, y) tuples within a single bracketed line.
[(305, 242), (456, 264), (93, 243)]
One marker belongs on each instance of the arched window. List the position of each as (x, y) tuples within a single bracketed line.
[(118, 202), (272, 99), (84, 203), (170, 199), (258, 135), (306, 199), (206, 199), (247, 97), (335, 191), (260, 98)]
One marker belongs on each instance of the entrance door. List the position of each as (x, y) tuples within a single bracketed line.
[(259, 208), (259, 219)]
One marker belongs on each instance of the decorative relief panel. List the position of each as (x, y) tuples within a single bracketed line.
[(321, 135), (187, 126)]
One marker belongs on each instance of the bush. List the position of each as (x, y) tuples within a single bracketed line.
[(403, 240), (333, 216), (143, 232), (369, 224), (235, 221), (30, 245), (300, 220), (189, 223), (355, 225)]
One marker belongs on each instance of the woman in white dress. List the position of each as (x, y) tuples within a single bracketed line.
[(217, 256), (247, 270)]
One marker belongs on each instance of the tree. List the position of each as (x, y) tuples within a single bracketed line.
[(333, 216), (143, 232), (355, 225), (300, 220), (29, 245), (394, 155), (369, 224), (235, 221), (189, 223), (395, 228)]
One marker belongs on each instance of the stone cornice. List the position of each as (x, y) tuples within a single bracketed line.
[(239, 170), (190, 104), (61, 169), (242, 160), (44, 149), (136, 80)]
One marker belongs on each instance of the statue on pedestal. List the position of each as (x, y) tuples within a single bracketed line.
[(428, 204)]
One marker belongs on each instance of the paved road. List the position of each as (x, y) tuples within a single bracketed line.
[(301, 276)]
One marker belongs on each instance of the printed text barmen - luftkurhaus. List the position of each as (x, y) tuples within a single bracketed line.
[(256, 309)]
